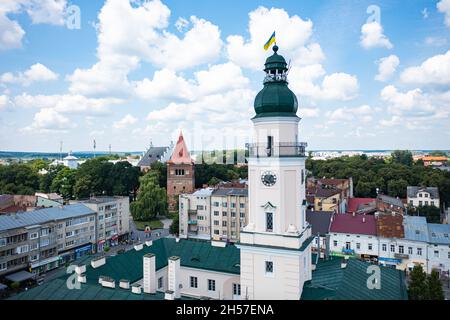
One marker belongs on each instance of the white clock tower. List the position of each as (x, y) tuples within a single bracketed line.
[(275, 245)]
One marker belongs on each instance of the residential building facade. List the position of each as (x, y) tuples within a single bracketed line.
[(423, 196), (112, 220), (195, 214), (229, 213)]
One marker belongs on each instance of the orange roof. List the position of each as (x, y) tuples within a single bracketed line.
[(180, 154), (431, 158)]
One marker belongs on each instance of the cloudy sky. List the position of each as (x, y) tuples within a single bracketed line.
[(368, 75)]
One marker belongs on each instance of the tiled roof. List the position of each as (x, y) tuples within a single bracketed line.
[(354, 203), (331, 181), (180, 154), (153, 154), (413, 190), (320, 221), (331, 282), (358, 224), (39, 216)]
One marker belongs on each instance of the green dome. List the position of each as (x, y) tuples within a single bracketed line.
[(275, 99)]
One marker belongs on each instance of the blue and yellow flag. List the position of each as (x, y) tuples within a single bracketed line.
[(270, 41)]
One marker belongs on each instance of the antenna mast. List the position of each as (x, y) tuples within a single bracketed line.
[(95, 145), (60, 150)]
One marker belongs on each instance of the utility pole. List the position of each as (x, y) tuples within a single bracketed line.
[(94, 147), (109, 149)]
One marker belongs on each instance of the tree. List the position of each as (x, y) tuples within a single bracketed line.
[(434, 286), (151, 199), (175, 226), (402, 157), (397, 188), (64, 182), (432, 213), (82, 187), (417, 284), (213, 181)]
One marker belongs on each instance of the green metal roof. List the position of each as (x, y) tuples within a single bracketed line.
[(275, 99), (332, 282)]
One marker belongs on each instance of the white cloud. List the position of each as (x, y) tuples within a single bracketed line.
[(48, 120), (372, 36), (39, 11), (11, 33), (37, 72), (125, 122), (292, 33), (347, 114), (435, 41), (68, 104), (308, 112), (415, 109), (339, 86), (444, 7), (47, 11), (425, 13), (434, 70), (5, 102), (336, 86), (167, 84), (387, 67), (146, 24)]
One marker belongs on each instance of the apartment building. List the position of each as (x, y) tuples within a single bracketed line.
[(112, 221), (32, 240), (229, 213), (195, 214), (439, 247)]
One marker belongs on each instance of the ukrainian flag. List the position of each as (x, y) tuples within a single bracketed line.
[(270, 41)]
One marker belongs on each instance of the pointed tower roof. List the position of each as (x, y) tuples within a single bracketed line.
[(180, 154)]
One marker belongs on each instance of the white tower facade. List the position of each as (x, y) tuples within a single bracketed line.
[(275, 245)]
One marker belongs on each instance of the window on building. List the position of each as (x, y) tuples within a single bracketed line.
[(401, 249), (233, 214), (358, 245), (34, 235), (242, 214), (432, 203), (420, 203), (224, 223), (3, 266), (160, 282), (269, 221), (448, 255), (369, 246), (224, 204), (215, 204), (436, 253), (211, 285), (392, 248), (335, 243), (426, 195), (426, 203), (236, 289), (419, 251), (232, 205), (384, 247), (217, 232), (269, 266), (216, 213), (242, 205), (410, 250), (420, 195), (411, 202), (224, 213), (194, 282)]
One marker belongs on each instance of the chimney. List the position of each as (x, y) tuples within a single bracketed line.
[(149, 273), (174, 276)]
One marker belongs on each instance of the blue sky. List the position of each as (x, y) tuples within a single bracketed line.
[(368, 74)]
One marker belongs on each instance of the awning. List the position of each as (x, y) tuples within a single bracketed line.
[(20, 276), (42, 262)]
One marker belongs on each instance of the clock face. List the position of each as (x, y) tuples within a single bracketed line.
[(268, 178)]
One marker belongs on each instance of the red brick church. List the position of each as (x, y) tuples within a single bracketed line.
[(180, 173)]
